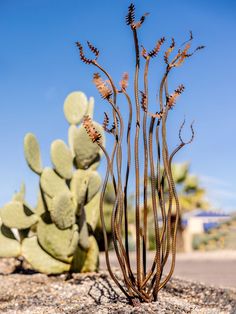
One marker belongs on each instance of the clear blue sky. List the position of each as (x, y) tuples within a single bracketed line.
[(39, 66)]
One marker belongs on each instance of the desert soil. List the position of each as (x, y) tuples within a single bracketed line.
[(35, 293)]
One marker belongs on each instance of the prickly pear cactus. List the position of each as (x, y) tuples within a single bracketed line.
[(56, 236)]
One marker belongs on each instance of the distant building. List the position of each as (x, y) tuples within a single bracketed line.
[(198, 222)]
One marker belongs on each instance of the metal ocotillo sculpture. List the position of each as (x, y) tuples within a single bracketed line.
[(150, 131)]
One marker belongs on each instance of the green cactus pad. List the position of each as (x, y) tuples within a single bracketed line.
[(48, 201), (32, 153), (9, 246), (40, 207), (61, 244), (92, 258), (79, 185), (83, 230), (92, 211), (40, 260), (52, 184), (62, 159), (86, 261), (63, 211), (94, 184), (87, 152), (17, 215), (71, 134), (85, 184), (78, 260), (75, 107)]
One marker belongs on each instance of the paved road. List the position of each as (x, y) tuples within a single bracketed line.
[(214, 268)]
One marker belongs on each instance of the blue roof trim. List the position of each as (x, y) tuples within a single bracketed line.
[(211, 214)]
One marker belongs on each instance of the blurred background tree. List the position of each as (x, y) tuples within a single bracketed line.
[(191, 197)]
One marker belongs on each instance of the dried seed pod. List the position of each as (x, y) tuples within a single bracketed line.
[(197, 49), (124, 81), (144, 52), (200, 48), (187, 41), (114, 126), (105, 122), (90, 129), (140, 22), (182, 56), (93, 49), (82, 56), (153, 53), (168, 51), (191, 35), (155, 115), (171, 100), (143, 101), (131, 15), (102, 87)]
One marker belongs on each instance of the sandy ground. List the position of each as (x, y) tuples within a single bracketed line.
[(216, 268), (34, 293), (96, 293)]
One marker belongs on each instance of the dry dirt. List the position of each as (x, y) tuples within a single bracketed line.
[(34, 293)]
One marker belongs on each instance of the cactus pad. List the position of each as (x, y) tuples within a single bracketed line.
[(62, 159), (79, 185), (92, 211), (52, 184), (87, 152), (79, 258), (75, 107), (9, 246), (83, 230), (55, 237), (40, 260), (32, 153), (16, 215), (84, 185), (71, 134), (48, 202), (40, 207), (61, 244), (63, 211), (94, 184), (92, 258)]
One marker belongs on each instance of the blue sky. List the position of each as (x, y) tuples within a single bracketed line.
[(39, 66)]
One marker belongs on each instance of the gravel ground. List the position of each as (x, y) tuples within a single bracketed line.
[(216, 268), (95, 293)]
